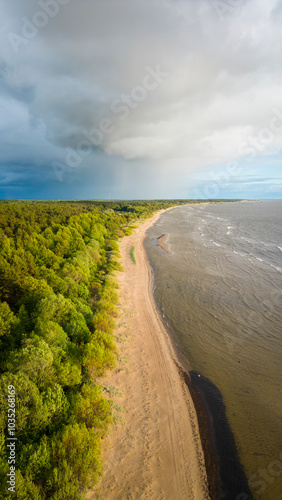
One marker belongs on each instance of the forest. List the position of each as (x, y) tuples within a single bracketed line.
[(58, 297)]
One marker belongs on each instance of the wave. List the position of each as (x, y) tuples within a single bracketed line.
[(279, 269), (229, 229)]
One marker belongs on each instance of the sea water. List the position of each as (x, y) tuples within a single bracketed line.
[(219, 291)]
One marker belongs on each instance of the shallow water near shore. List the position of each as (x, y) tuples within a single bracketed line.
[(219, 292)]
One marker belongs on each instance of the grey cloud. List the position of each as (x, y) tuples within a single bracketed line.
[(224, 76)]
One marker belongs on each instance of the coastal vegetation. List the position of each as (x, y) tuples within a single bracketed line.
[(58, 296), (132, 254)]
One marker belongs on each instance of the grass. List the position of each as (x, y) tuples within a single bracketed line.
[(112, 390), (132, 254)]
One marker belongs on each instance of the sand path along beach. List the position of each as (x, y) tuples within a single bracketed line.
[(153, 451)]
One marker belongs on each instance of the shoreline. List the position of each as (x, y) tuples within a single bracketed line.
[(154, 450), (226, 477), (203, 413)]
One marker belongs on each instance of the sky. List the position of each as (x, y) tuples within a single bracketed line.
[(140, 99)]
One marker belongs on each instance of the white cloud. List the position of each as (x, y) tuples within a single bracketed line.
[(225, 77)]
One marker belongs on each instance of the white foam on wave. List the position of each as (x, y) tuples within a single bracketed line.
[(249, 240), (279, 269), (217, 244), (280, 248), (267, 244), (239, 253)]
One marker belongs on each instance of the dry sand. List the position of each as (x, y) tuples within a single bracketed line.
[(154, 450)]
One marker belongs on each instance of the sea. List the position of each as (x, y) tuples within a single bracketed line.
[(219, 292)]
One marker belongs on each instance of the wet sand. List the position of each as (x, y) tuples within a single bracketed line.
[(163, 243), (154, 449)]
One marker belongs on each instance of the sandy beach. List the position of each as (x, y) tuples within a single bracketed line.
[(154, 449)]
